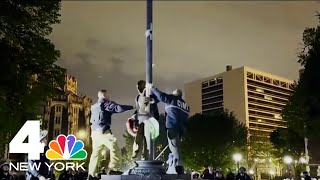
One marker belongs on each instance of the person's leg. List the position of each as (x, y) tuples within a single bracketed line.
[(96, 147), (173, 136), (147, 144), (139, 141), (174, 139), (115, 155)]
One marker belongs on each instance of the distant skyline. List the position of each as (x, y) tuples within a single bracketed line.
[(102, 43)]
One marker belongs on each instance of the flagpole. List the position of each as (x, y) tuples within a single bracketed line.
[(149, 63)]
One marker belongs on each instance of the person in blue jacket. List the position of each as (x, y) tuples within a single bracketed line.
[(177, 114), (101, 134), (43, 172)]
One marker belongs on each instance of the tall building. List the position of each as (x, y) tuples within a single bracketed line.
[(256, 98), (68, 113)]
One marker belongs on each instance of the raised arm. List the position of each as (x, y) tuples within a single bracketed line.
[(166, 98), (116, 108)]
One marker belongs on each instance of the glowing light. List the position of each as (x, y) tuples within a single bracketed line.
[(237, 157), (251, 171), (287, 159), (271, 172), (303, 160), (81, 134)]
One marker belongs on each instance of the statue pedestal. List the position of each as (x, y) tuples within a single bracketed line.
[(146, 168), (150, 177)]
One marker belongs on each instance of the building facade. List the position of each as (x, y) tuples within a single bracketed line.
[(256, 98), (68, 113)]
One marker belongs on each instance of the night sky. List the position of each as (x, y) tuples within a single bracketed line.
[(102, 43)]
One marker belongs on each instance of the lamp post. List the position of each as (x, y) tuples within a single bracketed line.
[(237, 157), (81, 134), (288, 160)]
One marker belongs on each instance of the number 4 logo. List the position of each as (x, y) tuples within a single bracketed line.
[(33, 148)]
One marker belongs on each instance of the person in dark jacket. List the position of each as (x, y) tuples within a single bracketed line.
[(306, 176), (43, 172), (81, 174), (67, 175), (177, 114), (219, 174), (101, 134), (4, 172), (230, 175), (242, 175), (142, 141)]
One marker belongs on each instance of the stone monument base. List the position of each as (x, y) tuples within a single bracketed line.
[(146, 168), (145, 177)]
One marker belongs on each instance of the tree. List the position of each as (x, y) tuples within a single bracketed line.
[(127, 150), (161, 142), (212, 139), (286, 141), (28, 71), (302, 112)]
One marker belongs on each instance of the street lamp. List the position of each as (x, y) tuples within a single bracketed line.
[(237, 157), (251, 172), (271, 173), (81, 134), (303, 160), (288, 160)]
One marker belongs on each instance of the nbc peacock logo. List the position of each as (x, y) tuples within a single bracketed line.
[(66, 148)]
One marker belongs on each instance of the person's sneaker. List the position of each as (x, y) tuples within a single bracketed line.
[(92, 178), (112, 172), (180, 170)]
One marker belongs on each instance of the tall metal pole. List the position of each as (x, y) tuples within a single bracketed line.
[(149, 63), (149, 43)]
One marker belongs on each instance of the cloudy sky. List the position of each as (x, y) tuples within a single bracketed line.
[(103, 43)]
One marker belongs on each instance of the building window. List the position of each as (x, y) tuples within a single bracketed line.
[(259, 90), (267, 97), (277, 116), (205, 84)]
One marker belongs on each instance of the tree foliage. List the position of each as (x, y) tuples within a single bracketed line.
[(161, 142), (302, 112), (212, 139), (287, 141), (28, 71), (127, 151)]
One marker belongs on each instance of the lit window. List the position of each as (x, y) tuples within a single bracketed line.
[(259, 120), (259, 90), (277, 116), (267, 97)]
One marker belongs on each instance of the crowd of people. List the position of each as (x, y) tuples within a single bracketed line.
[(211, 173)]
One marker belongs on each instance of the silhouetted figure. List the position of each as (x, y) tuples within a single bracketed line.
[(230, 175), (81, 175), (306, 176), (4, 172), (67, 175), (218, 174), (242, 175), (208, 173)]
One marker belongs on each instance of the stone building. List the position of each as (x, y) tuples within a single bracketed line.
[(68, 113)]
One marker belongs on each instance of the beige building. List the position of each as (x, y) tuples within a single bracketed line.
[(255, 97), (68, 113)]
